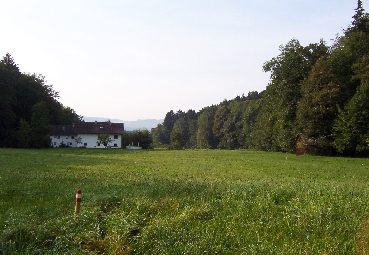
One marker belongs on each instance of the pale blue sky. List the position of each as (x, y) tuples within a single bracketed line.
[(135, 59)]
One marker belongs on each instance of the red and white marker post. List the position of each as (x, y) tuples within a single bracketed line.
[(78, 202)]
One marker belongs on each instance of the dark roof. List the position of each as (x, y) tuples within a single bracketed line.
[(88, 128)]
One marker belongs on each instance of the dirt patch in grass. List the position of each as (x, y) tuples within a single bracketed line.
[(363, 238)]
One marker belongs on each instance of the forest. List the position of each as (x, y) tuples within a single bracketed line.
[(317, 90), (28, 106)]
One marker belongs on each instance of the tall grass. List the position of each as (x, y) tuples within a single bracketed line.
[(182, 202)]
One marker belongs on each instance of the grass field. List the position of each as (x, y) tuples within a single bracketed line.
[(182, 202)]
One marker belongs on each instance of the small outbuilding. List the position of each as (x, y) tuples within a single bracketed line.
[(302, 144), (313, 146)]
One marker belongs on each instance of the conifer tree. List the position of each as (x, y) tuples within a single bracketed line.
[(360, 19)]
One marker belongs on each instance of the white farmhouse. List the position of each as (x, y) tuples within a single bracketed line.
[(84, 134)]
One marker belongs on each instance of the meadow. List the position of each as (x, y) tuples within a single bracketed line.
[(182, 202)]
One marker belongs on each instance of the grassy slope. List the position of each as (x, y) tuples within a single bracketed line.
[(177, 202)]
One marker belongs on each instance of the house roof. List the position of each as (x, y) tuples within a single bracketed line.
[(88, 128)]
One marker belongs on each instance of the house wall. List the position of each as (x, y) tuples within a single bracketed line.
[(89, 141), (56, 141)]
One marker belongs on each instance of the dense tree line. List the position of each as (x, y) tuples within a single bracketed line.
[(319, 90), (28, 106), (228, 125)]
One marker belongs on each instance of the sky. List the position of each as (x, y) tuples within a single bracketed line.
[(137, 59)]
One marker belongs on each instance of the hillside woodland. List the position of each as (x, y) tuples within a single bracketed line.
[(317, 90)]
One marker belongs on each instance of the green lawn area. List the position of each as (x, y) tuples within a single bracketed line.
[(182, 202)]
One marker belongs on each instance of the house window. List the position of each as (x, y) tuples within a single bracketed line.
[(85, 144), (70, 144), (55, 136), (115, 145), (58, 136), (72, 137), (115, 136), (54, 143), (98, 144)]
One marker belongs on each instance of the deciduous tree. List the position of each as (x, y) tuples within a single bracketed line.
[(275, 127), (104, 139), (351, 130), (317, 108), (36, 133), (177, 139), (205, 137)]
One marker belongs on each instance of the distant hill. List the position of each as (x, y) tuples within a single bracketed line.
[(129, 125)]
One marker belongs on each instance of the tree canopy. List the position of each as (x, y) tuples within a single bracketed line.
[(22, 95)]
